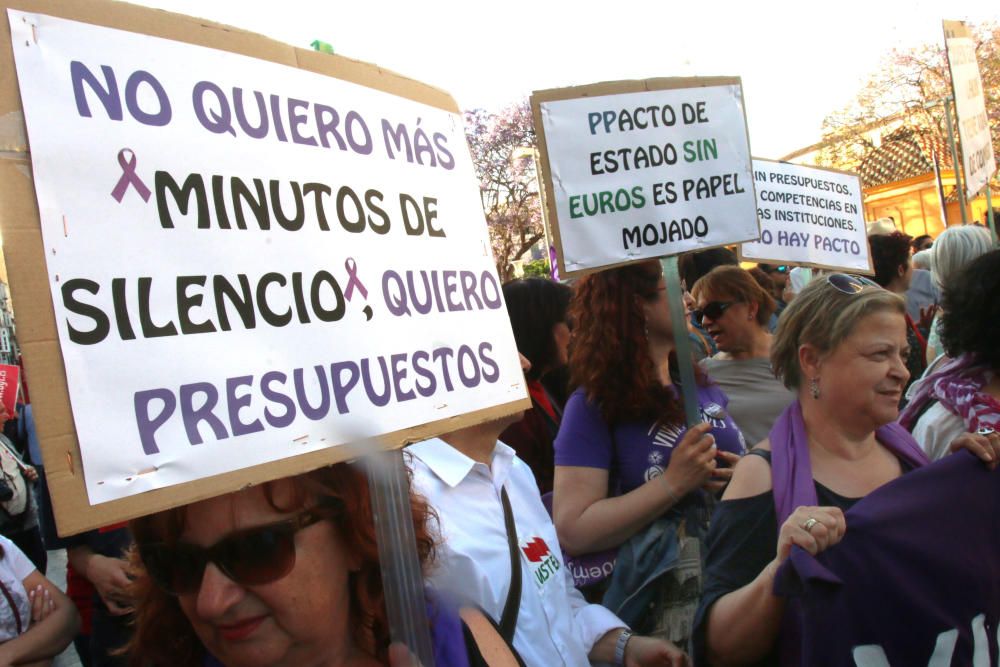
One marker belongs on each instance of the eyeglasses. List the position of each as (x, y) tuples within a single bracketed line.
[(713, 309), (849, 284), (250, 557)]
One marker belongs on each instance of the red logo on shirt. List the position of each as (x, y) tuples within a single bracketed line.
[(536, 550)]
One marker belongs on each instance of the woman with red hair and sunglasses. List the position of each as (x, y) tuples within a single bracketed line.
[(626, 464), (282, 574)]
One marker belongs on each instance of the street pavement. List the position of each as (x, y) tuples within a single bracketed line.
[(57, 575)]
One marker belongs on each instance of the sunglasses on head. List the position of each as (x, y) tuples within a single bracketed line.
[(250, 557), (849, 284), (712, 309)]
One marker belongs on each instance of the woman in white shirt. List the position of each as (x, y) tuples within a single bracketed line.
[(960, 400), (37, 621), (954, 249)]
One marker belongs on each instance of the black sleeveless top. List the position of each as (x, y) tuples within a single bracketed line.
[(742, 540)]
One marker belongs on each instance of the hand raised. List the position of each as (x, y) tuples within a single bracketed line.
[(692, 461), (985, 444), (812, 528)]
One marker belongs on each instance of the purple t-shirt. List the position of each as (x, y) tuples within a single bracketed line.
[(639, 450)]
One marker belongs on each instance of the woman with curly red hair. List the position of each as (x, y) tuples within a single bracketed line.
[(628, 471), (282, 574)]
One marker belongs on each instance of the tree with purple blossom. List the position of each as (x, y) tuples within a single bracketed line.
[(502, 146), (907, 88)]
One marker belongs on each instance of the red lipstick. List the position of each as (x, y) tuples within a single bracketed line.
[(240, 630)]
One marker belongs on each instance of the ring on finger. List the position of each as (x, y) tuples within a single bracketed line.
[(808, 525)]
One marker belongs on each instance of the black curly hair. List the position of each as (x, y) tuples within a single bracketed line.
[(971, 305), (889, 253)]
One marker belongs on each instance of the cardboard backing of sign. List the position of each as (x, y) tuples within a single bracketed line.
[(24, 252), (597, 90), (978, 178), (784, 262)]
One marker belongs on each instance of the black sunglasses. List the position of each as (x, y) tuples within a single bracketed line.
[(849, 284), (250, 557), (713, 309)]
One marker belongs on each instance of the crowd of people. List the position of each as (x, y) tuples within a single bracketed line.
[(598, 526)]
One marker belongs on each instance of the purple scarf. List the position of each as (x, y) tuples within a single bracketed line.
[(791, 470), (958, 387), (792, 479)]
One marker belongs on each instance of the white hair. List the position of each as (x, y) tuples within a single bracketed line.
[(956, 247), (881, 227), (922, 259)]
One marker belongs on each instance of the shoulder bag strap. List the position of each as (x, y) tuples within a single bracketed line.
[(762, 453), (9, 446), (508, 621), (13, 606), (485, 645)]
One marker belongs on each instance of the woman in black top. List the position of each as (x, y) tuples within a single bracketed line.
[(842, 346)]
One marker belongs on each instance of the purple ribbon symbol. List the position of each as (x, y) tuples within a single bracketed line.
[(129, 177), (353, 280)]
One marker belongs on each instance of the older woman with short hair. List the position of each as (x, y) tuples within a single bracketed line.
[(736, 311), (953, 251), (842, 346)]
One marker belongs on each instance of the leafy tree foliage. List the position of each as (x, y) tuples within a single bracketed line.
[(538, 268), (905, 90)]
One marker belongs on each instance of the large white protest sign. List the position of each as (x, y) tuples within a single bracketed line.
[(978, 161), (645, 169), (249, 261), (809, 217)]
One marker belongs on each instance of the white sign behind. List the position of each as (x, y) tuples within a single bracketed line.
[(810, 217), (648, 174), (978, 161), (249, 261)]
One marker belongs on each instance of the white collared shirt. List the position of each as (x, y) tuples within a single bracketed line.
[(555, 625)]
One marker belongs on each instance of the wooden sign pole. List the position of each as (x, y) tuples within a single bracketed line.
[(402, 578), (682, 344)]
